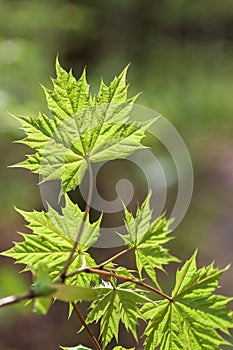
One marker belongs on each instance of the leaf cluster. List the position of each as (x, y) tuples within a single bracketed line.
[(83, 129)]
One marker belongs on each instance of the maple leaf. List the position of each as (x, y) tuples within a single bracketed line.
[(146, 238), (80, 128), (53, 238), (116, 305), (192, 318)]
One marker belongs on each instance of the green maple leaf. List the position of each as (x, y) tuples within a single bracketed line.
[(192, 318), (80, 128), (53, 238), (115, 306), (146, 238)]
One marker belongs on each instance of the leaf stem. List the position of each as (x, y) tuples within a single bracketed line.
[(101, 266), (80, 231), (85, 325)]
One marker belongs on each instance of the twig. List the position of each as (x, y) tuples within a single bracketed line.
[(84, 266), (13, 299), (79, 234), (101, 266), (120, 277), (85, 325)]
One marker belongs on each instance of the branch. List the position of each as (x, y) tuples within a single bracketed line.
[(14, 299), (85, 325), (101, 266), (79, 234), (120, 277), (99, 271)]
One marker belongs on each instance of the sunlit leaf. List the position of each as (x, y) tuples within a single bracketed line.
[(81, 127), (147, 239), (195, 314), (115, 306), (52, 240)]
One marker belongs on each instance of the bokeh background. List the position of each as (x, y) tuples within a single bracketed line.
[(181, 55)]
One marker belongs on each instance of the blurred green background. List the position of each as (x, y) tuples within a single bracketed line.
[(181, 55)]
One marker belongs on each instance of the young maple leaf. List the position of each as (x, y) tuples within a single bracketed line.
[(53, 238), (115, 306), (192, 318), (146, 238), (81, 129)]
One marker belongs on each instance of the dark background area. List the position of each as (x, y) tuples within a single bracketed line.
[(181, 55)]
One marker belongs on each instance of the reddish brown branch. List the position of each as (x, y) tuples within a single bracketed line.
[(119, 277), (85, 325), (118, 255)]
